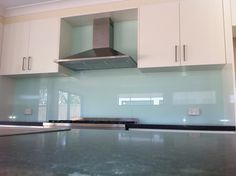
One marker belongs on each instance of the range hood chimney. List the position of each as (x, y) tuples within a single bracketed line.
[(102, 56)]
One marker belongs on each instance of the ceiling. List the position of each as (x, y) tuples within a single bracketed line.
[(9, 4), (21, 7)]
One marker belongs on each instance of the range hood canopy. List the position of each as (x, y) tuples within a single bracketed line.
[(102, 56)]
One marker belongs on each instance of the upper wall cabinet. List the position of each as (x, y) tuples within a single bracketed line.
[(159, 35), (181, 32), (30, 47)]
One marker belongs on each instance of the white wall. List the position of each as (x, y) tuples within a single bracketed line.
[(2, 11), (233, 9), (55, 5)]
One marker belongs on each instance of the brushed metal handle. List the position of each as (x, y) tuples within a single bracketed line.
[(29, 63), (184, 52), (23, 63), (176, 53)]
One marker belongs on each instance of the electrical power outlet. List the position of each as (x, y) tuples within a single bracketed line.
[(28, 111), (194, 111)]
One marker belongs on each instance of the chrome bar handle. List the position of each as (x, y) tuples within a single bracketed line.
[(23, 63), (176, 53), (29, 63), (184, 52)]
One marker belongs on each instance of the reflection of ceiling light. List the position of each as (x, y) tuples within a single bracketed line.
[(194, 97), (224, 120), (29, 97)]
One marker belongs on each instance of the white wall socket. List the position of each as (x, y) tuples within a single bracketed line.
[(194, 111), (28, 111)]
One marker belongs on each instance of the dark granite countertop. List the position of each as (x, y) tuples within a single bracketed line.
[(125, 153)]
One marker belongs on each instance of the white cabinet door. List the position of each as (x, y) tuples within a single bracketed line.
[(30, 47), (44, 45), (159, 35), (202, 32), (15, 48)]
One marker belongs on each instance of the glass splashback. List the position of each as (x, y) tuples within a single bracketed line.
[(154, 97)]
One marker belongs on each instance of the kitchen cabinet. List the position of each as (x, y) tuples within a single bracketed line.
[(14, 48), (181, 32), (30, 47), (159, 35)]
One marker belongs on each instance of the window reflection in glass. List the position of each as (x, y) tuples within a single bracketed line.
[(140, 137), (141, 99), (62, 105), (198, 97), (68, 106), (74, 106)]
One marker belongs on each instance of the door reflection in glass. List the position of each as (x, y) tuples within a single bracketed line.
[(68, 106), (42, 108)]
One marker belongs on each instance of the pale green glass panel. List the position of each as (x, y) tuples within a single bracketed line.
[(158, 97)]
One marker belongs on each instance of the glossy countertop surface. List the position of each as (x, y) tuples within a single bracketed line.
[(116, 152), (25, 130)]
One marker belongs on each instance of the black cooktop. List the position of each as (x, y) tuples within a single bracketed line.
[(99, 120)]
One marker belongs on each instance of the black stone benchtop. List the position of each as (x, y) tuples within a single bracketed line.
[(130, 123), (21, 123), (180, 127)]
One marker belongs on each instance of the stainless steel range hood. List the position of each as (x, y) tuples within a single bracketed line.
[(102, 56)]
